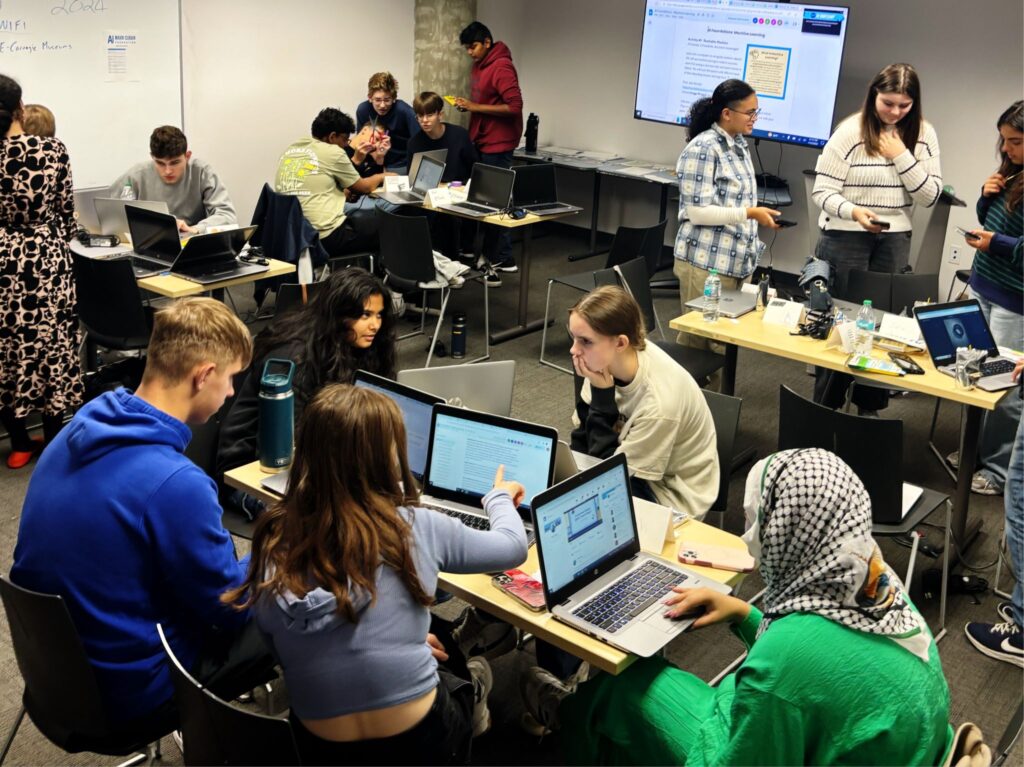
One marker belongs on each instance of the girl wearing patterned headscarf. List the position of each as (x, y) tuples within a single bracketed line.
[(841, 668)]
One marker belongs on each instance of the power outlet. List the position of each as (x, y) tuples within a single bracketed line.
[(954, 255)]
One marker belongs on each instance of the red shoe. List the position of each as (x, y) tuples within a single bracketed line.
[(18, 459)]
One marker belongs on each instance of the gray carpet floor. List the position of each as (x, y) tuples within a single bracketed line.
[(983, 690)]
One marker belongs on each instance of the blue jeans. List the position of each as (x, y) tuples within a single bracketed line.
[(497, 240), (999, 426), (1013, 495)]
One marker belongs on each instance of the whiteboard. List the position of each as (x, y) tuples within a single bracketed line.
[(110, 70)]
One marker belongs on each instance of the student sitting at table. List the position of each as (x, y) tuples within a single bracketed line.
[(388, 113), (193, 192), (347, 325), (841, 668), (318, 171), (343, 572), (637, 400), (123, 526)]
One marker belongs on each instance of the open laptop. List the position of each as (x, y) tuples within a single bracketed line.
[(213, 257), (111, 217), (733, 303), (945, 327), (416, 407), (484, 386), (535, 191), (441, 155), (466, 447), (156, 243), (428, 176), (490, 192), (569, 462), (595, 577)]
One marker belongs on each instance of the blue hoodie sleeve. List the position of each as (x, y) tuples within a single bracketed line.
[(195, 555)]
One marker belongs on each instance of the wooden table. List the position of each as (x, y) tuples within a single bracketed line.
[(751, 333), (478, 591), (173, 286)]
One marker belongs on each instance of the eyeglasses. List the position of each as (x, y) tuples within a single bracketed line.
[(752, 114), (382, 102)]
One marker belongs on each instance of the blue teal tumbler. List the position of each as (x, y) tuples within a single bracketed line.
[(277, 415)]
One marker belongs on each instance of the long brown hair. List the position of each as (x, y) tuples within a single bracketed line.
[(1013, 117), (895, 78), (339, 520)]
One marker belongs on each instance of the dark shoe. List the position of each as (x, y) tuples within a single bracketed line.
[(509, 267), (1002, 641), (1005, 610), (478, 636), (492, 279)]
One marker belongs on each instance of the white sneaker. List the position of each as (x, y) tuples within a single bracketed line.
[(178, 739), (542, 693), (483, 680), (982, 484)]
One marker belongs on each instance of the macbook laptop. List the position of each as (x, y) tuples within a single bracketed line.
[(428, 176), (435, 154), (156, 243), (416, 407), (595, 577), (466, 447), (733, 303), (945, 327), (535, 191), (490, 192), (484, 386), (111, 217)]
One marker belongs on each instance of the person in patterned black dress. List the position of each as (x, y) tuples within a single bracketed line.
[(39, 337)]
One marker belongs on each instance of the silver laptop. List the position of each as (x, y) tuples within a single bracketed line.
[(569, 462), (535, 191), (595, 577), (466, 447), (428, 176), (490, 192), (945, 327), (441, 155), (733, 303), (110, 213), (484, 386)]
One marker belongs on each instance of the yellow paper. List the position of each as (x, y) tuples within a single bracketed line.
[(450, 100)]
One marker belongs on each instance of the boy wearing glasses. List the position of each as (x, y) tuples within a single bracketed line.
[(385, 112)]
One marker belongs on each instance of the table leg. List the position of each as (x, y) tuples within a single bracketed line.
[(522, 327), (595, 207), (962, 533), (663, 203), (729, 371)]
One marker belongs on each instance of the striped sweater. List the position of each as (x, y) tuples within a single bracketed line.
[(848, 177), (996, 275)]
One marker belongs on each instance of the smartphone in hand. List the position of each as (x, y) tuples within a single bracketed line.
[(784, 222), (877, 222), (522, 587), (969, 235)]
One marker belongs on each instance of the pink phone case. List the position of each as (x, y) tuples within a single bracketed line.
[(521, 586), (718, 557)]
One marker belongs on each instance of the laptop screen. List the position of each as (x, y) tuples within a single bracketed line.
[(467, 448), (153, 234), (491, 186), (534, 184), (949, 326), (428, 176), (590, 522), (416, 408)]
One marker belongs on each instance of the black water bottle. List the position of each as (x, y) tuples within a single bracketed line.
[(532, 125), (458, 335)]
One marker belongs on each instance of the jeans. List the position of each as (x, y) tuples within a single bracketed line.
[(1013, 495), (497, 240), (999, 426)]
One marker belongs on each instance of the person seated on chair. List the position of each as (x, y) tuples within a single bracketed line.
[(319, 172), (637, 400), (193, 192), (342, 574), (389, 115), (840, 667), (347, 325), (127, 530)]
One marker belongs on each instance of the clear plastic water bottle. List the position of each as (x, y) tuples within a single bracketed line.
[(712, 296), (127, 193), (865, 327)]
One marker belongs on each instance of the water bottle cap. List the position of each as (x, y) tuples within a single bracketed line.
[(277, 376), (714, 271), (867, 302)]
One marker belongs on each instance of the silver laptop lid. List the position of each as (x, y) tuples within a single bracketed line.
[(428, 175), (414, 165), (111, 216), (485, 386)]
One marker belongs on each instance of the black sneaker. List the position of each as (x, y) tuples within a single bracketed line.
[(492, 279), (509, 267), (1002, 641), (1005, 610)]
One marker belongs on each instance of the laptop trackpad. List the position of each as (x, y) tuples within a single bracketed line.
[(657, 620)]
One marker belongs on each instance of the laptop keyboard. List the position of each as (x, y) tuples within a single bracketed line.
[(469, 520), (474, 206), (542, 208), (629, 596), (408, 197), (995, 368)]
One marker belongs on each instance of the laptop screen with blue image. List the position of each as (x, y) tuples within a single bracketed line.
[(948, 326)]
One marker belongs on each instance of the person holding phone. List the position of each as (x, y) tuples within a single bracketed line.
[(341, 578), (997, 285), (878, 164), (840, 668), (718, 210)]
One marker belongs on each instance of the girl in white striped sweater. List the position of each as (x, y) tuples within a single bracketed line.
[(877, 165)]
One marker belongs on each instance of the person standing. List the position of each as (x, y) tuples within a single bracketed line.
[(39, 339)]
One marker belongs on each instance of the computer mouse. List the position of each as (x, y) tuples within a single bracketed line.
[(518, 214)]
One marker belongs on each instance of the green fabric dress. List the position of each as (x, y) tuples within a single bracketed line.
[(810, 692)]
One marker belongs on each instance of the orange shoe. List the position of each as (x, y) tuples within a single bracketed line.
[(18, 459)]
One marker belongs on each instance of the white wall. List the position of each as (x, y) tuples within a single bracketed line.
[(577, 62), (257, 73)]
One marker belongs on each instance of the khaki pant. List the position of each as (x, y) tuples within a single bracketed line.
[(691, 285)]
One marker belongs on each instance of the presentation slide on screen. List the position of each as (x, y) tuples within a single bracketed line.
[(789, 53)]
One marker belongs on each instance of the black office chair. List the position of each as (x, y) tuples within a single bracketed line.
[(960, 275), (290, 296), (725, 411), (407, 256), (873, 448), (908, 288), (110, 306), (876, 286), (215, 732), (61, 694)]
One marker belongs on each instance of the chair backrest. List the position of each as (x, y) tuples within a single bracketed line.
[(908, 288), (109, 303), (636, 282), (627, 244), (876, 286), (289, 296), (61, 692), (215, 732), (405, 249), (872, 447), (725, 412), (654, 244)]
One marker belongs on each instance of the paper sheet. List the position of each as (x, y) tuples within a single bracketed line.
[(902, 329), (654, 524)]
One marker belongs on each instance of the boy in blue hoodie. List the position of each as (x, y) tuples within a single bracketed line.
[(128, 530)]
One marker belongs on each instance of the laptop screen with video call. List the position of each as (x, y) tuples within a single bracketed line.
[(948, 326)]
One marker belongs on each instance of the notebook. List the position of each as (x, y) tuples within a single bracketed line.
[(595, 576), (945, 327), (535, 191), (490, 192)]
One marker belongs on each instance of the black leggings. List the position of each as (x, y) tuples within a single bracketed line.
[(17, 429)]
